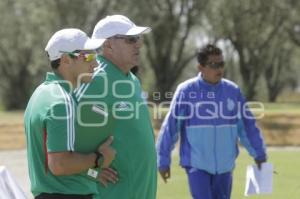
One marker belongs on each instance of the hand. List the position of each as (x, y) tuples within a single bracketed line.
[(108, 152), (108, 175), (165, 174), (259, 163)]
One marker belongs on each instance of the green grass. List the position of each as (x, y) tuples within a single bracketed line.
[(282, 107), (286, 182)]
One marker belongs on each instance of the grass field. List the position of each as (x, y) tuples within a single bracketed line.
[(286, 182), (282, 124)]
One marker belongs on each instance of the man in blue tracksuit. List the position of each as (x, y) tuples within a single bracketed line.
[(210, 114)]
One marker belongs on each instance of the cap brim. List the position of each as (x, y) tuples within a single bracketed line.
[(138, 30), (93, 44)]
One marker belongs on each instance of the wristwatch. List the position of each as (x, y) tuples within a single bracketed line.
[(99, 159)]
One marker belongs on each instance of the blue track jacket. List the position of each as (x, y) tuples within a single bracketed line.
[(210, 120)]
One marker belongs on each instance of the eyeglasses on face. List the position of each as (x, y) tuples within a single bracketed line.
[(87, 56), (132, 39), (215, 65)]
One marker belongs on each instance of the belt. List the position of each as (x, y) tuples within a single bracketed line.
[(63, 196)]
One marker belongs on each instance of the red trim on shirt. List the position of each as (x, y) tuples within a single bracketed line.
[(45, 151)]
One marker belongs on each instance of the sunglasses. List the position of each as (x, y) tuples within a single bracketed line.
[(87, 56), (129, 39), (216, 65)]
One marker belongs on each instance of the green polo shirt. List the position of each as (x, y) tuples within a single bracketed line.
[(131, 126), (50, 127)]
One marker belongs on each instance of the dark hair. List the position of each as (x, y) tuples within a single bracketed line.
[(55, 63), (206, 51), (134, 70)]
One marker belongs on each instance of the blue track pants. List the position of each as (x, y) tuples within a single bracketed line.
[(204, 185)]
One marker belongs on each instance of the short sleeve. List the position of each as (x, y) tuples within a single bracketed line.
[(60, 127)]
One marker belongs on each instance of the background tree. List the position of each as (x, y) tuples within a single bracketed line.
[(252, 27), (78, 13), (20, 36), (28, 26), (280, 69), (258, 38), (294, 22)]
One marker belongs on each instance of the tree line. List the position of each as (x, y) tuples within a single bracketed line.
[(260, 39)]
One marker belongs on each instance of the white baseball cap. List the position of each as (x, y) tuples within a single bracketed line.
[(69, 40), (117, 25)]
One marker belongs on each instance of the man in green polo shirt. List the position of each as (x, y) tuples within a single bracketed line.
[(56, 167), (113, 102)]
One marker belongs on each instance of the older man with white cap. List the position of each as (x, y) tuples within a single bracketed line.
[(117, 95), (56, 167)]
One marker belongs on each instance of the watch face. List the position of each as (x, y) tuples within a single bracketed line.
[(92, 173)]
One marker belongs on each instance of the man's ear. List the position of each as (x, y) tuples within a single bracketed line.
[(107, 47), (65, 59), (107, 44)]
